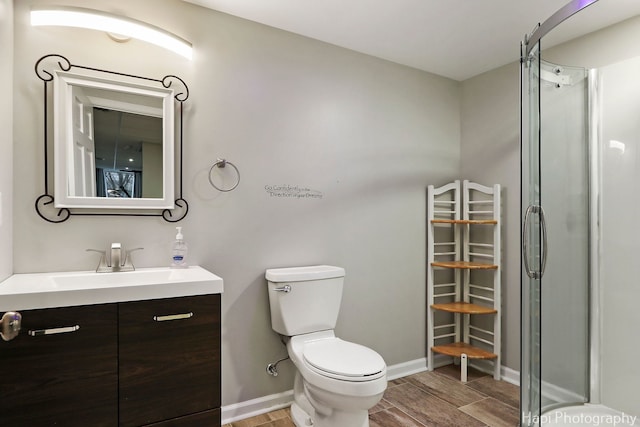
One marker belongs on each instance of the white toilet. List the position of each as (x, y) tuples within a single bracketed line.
[(337, 381)]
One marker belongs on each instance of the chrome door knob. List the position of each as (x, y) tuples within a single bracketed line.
[(10, 325)]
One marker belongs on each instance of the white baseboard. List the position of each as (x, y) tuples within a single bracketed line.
[(253, 407), (550, 391), (506, 374), (555, 393), (261, 405), (510, 375), (406, 368)]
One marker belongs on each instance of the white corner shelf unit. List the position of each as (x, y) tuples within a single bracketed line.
[(463, 274)]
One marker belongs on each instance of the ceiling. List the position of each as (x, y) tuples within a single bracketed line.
[(453, 38)]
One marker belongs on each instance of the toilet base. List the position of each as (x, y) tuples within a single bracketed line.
[(337, 419), (300, 417), (343, 419)]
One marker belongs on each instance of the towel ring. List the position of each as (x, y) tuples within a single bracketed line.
[(222, 163)]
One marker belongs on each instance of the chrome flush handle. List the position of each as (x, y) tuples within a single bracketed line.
[(285, 289)]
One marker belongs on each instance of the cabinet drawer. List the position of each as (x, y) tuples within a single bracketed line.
[(68, 378), (169, 358)]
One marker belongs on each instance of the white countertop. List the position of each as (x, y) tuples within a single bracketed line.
[(63, 289)]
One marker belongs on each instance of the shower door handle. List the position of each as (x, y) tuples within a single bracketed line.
[(543, 229), (532, 273)]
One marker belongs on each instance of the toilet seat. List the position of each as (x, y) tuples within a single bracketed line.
[(343, 360)]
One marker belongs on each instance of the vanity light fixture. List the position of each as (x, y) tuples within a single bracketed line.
[(112, 24)]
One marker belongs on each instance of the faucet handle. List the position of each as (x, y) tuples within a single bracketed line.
[(103, 253), (127, 259), (102, 265)]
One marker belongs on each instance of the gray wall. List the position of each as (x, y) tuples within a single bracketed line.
[(490, 154), (6, 138), (620, 201), (367, 134)]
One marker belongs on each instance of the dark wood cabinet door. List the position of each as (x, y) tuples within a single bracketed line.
[(169, 358), (68, 378)]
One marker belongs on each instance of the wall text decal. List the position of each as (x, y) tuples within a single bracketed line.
[(287, 191)]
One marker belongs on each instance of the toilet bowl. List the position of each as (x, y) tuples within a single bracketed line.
[(340, 380), (337, 381)]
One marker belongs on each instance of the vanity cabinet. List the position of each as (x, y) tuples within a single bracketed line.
[(142, 363), (62, 369)]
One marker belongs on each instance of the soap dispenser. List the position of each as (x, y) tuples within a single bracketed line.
[(179, 251)]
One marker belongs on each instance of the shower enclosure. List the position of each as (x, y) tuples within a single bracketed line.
[(580, 155)]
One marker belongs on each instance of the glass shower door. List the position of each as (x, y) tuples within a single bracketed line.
[(564, 196), (555, 238), (532, 242)]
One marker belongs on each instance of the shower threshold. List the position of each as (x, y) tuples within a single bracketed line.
[(588, 416)]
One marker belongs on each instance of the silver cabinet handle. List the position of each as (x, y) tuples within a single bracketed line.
[(53, 331), (285, 289), (10, 325), (172, 317), (534, 209)]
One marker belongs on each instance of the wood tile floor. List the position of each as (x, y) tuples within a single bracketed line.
[(430, 399)]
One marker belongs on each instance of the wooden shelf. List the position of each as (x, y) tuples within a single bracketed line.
[(466, 265), (464, 307), (458, 348), (464, 221)]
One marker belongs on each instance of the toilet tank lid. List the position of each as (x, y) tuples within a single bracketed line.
[(300, 274)]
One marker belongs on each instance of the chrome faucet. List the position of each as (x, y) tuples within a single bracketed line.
[(118, 259)]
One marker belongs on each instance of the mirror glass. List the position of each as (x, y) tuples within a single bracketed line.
[(114, 143)]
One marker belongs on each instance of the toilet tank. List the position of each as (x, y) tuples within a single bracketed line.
[(304, 299)]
